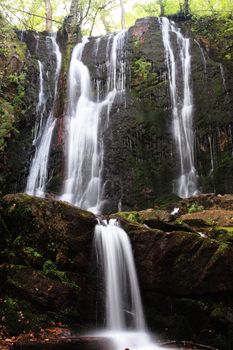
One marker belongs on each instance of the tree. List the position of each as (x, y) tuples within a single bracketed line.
[(186, 7), (162, 7), (48, 15)]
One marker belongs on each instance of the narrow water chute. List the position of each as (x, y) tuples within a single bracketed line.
[(38, 174), (182, 107)]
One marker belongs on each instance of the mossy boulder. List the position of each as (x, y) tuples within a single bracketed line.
[(46, 249)]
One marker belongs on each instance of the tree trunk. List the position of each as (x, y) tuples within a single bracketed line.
[(74, 13), (106, 24), (186, 7), (48, 15), (122, 14), (162, 8)]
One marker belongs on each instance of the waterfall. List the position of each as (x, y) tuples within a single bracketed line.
[(223, 77), (211, 156), (123, 302), (182, 107), (37, 178), (40, 108), (85, 127), (82, 184), (124, 313)]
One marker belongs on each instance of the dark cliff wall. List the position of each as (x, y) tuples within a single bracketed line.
[(19, 151), (140, 160)]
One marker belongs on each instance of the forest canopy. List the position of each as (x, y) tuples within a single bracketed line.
[(101, 16)]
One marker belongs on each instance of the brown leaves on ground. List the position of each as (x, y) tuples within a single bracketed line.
[(47, 334)]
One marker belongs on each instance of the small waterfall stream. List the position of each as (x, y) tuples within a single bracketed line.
[(223, 77), (182, 107), (123, 301), (40, 108), (203, 57), (38, 174), (125, 323)]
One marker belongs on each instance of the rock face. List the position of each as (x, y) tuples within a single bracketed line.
[(48, 270), (140, 160), (46, 249)]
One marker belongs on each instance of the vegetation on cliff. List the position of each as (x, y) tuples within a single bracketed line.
[(13, 84)]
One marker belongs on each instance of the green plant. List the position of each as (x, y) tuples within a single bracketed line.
[(50, 269), (142, 68), (194, 207), (32, 252)]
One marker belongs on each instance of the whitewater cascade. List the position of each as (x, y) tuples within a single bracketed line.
[(84, 125), (37, 178), (124, 312), (182, 107)]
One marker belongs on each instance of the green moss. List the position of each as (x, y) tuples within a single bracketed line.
[(143, 76), (223, 235), (224, 229), (132, 216), (141, 67), (50, 269), (136, 44), (6, 122), (228, 57)]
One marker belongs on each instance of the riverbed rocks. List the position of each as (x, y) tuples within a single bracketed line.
[(48, 269)]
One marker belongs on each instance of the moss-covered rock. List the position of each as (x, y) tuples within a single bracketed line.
[(13, 81), (46, 248)]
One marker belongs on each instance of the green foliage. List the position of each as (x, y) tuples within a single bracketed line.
[(50, 269), (32, 252), (6, 122), (142, 75), (194, 207), (132, 216), (216, 30), (15, 315), (99, 15), (142, 68)]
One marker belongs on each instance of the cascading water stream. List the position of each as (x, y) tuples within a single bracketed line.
[(203, 57), (123, 302), (223, 77), (40, 108), (125, 323), (182, 108), (83, 185), (37, 178)]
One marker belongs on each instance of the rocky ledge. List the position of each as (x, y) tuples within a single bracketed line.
[(184, 259)]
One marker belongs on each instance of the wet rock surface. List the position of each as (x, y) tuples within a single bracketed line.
[(82, 343)]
